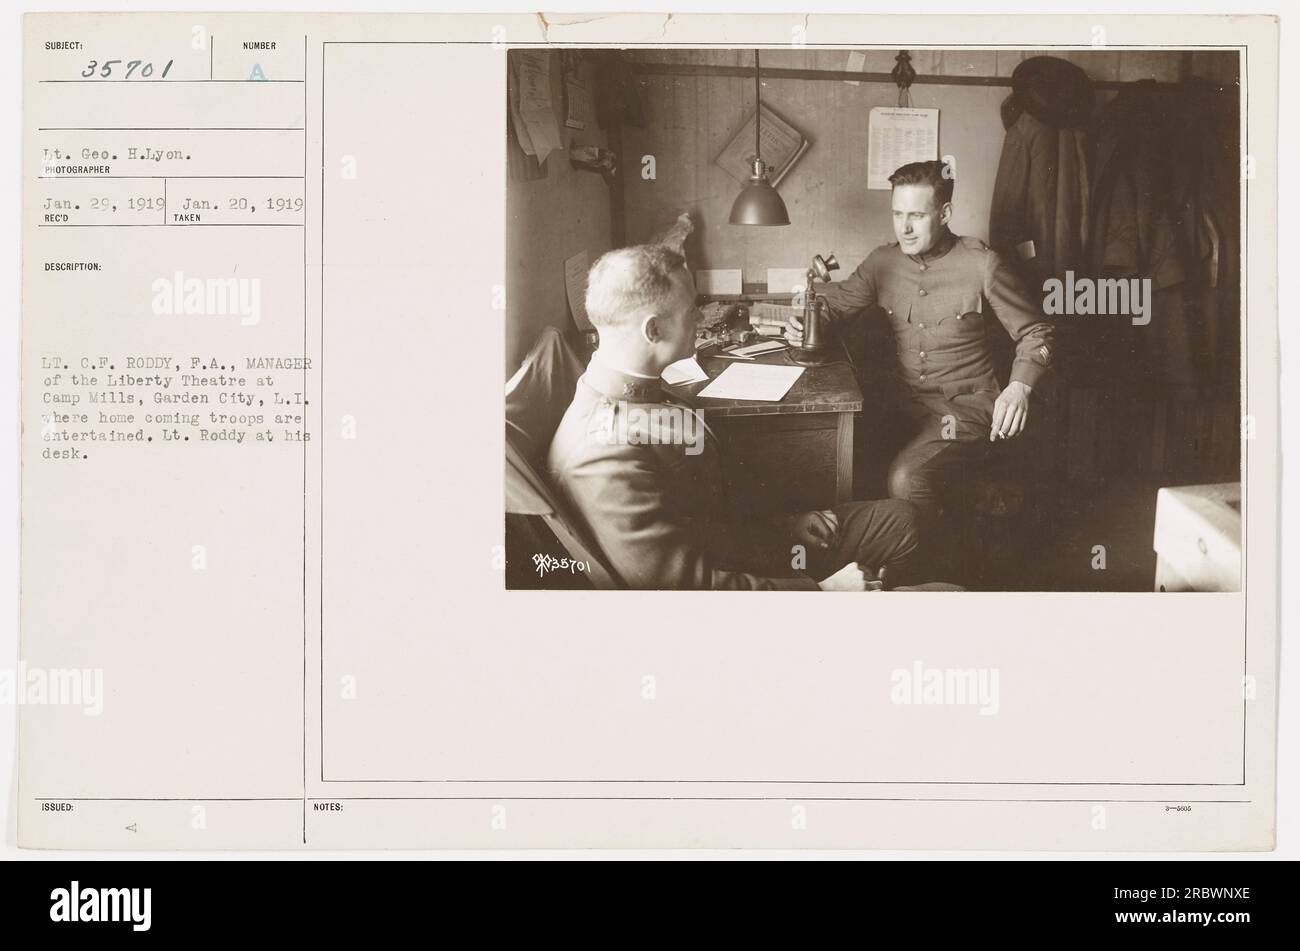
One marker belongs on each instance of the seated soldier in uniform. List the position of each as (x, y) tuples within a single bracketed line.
[(641, 469), (938, 290)]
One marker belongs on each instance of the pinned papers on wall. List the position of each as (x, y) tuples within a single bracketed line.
[(575, 286), (577, 104), (896, 137), (787, 280), (780, 142), (517, 120), (857, 60), (535, 105), (726, 281)]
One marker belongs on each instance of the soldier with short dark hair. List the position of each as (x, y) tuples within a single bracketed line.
[(938, 290)]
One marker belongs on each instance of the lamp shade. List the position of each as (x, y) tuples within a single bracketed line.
[(758, 202)]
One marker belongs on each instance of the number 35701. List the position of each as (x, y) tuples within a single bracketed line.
[(123, 69)]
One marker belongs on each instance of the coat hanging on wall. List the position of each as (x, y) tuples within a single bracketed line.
[(1155, 217), (1041, 194)]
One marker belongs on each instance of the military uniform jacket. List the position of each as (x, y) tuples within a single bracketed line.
[(938, 305), (656, 510)]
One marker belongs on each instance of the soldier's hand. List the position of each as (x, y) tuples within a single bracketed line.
[(852, 577), (849, 578), (794, 331), (1010, 412), (816, 529)]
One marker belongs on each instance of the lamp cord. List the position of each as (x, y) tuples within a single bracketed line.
[(758, 108)]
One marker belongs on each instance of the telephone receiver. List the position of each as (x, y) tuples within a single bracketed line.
[(822, 266), (816, 320)]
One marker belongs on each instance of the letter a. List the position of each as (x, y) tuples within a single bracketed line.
[(1052, 302)]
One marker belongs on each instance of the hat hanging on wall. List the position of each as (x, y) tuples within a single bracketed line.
[(1054, 91)]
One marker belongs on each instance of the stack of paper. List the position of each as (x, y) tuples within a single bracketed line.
[(770, 319)]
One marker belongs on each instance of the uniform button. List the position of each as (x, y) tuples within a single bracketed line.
[(960, 316), (922, 354), (922, 267), (921, 326), (922, 377), (921, 292)]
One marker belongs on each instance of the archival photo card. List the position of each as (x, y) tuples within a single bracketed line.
[(646, 431)]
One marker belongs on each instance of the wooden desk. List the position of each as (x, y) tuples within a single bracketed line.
[(799, 451)]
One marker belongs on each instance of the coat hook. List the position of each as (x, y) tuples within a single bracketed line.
[(903, 74)]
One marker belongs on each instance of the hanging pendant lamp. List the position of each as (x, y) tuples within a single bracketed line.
[(758, 202)]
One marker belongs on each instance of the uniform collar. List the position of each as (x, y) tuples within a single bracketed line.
[(617, 384), (947, 241)]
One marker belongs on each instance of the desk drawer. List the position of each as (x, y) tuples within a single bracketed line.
[(789, 460)]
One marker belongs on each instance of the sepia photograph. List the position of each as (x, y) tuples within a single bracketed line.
[(837, 319)]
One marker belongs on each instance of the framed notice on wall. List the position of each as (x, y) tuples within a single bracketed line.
[(896, 136), (781, 142)]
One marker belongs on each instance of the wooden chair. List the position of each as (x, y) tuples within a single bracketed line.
[(536, 398)]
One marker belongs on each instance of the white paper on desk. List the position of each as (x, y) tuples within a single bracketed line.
[(756, 349), (683, 371), (752, 381)]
